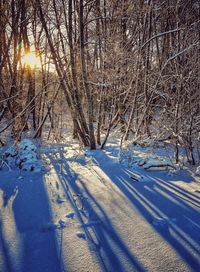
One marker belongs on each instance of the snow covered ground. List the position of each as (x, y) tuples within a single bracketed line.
[(88, 212)]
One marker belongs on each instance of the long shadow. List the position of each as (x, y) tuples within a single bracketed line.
[(167, 213), (168, 202), (184, 194), (108, 240), (27, 244), (102, 236)]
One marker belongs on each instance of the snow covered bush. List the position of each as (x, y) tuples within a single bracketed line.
[(24, 156)]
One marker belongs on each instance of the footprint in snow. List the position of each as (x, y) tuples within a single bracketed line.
[(50, 226), (70, 215), (62, 224), (60, 199), (57, 185), (159, 222), (81, 235)]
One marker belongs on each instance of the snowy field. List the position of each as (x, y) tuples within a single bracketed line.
[(105, 210)]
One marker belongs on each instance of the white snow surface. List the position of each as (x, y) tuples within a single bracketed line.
[(90, 212)]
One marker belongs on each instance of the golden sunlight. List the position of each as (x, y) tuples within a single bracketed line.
[(31, 60)]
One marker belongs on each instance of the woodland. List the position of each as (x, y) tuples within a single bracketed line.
[(100, 66), (99, 135)]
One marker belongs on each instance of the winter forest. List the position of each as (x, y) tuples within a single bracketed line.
[(99, 135)]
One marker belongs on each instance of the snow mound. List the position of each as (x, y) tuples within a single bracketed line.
[(24, 156), (173, 172), (198, 171), (156, 163)]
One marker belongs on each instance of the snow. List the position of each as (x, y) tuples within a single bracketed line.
[(159, 222), (70, 215), (24, 156), (198, 171), (157, 164), (98, 211), (81, 235)]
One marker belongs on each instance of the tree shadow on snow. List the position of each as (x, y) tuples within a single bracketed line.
[(157, 200), (26, 244), (171, 210), (102, 237)]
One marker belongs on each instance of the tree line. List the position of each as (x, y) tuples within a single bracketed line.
[(127, 65)]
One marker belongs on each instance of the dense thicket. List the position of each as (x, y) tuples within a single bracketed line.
[(128, 65)]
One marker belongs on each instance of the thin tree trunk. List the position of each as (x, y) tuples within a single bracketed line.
[(85, 79)]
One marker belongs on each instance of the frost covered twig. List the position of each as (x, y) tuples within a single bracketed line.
[(160, 35)]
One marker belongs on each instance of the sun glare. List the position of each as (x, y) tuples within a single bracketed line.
[(31, 60)]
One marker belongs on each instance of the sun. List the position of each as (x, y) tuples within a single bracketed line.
[(31, 60)]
